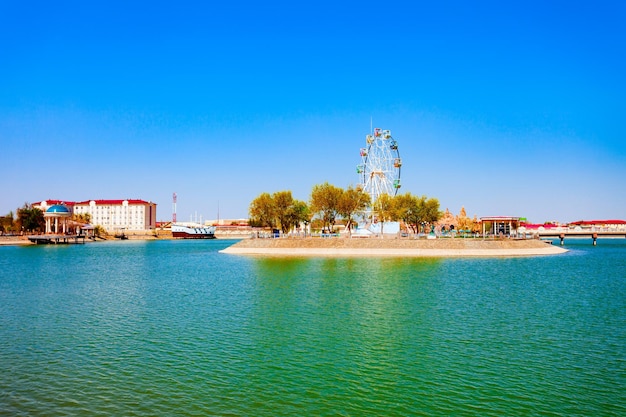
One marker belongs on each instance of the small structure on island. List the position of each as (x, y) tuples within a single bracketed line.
[(500, 225), (56, 218)]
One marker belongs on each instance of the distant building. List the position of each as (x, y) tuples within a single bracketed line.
[(227, 222), (115, 215), (112, 215), (599, 224)]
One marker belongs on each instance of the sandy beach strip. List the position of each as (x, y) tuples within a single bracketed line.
[(437, 248), (14, 241)]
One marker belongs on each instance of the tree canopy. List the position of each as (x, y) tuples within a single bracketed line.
[(299, 213), (83, 218), (415, 211), (431, 211), (30, 218), (262, 211), (385, 210), (328, 203), (279, 210), (324, 202), (352, 201), (7, 223)]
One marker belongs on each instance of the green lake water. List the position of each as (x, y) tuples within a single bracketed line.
[(176, 328)]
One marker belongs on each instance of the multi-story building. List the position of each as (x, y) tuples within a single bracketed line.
[(112, 215)]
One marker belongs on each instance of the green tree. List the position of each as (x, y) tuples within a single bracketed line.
[(83, 218), (279, 209), (262, 211), (289, 211), (384, 209), (299, 213), (324, 202), (283, 201), (431, 211), (410, 209), (415, 211), (352, 201), (30, 218), (7, 223), (99, 231)]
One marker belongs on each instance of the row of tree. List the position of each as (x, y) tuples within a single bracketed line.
[(28, 219), (416, 212), (278, 210), (329, 203)]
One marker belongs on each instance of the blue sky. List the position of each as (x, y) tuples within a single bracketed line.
[(506, 109)]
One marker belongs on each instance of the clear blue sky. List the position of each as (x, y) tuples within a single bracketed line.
[(504, 108)]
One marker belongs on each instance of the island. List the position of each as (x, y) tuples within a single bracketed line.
[(376, 247)]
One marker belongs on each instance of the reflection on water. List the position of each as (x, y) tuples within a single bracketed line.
[(174, 327)]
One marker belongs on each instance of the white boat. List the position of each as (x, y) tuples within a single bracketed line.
[(183, 231)]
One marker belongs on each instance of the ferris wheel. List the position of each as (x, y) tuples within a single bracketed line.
[(379, 169)]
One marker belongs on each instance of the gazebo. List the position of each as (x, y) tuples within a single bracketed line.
[(57, 216)]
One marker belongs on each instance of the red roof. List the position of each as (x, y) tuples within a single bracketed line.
[(86, 202), (538, 225), (111, 202), (596, 222), (53, 202)]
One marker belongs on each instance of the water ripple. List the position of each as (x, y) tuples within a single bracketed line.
[(157, 328)]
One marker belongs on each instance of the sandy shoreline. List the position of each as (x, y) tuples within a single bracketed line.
[(340, 247), (6, 240), (13, 240)]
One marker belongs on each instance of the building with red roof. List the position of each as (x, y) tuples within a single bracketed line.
[(112, 215), (603, 223), (607, 225)]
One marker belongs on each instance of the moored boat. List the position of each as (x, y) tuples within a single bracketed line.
[(193, 232)]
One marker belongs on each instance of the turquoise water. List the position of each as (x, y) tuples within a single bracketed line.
[(175, 328)]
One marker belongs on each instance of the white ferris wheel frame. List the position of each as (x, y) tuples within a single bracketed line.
[(380, 165)]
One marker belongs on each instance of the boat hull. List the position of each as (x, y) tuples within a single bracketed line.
[(187, 232), (182, 235)]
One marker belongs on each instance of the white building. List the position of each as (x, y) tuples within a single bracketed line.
[(113, 215)]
